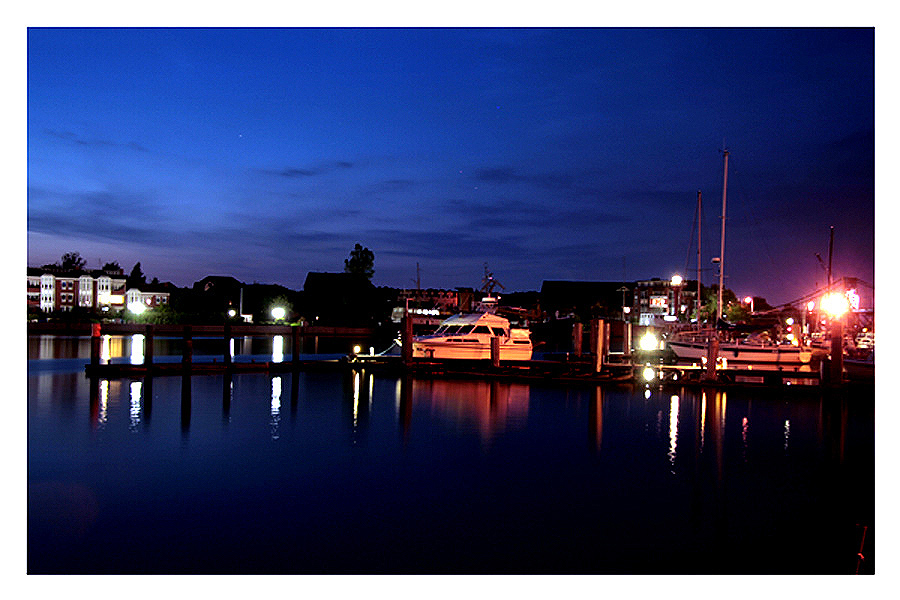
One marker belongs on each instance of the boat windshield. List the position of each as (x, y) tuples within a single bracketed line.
[(453, 330)]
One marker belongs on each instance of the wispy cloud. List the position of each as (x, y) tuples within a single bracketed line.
[(68, 136), (300, 172)]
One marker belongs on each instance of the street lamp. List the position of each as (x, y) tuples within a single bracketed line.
[(749, 300), (278, 313)]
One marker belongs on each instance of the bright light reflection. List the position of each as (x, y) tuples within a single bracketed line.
[(137, 349), (104, 402), (135, 412), (104, 349), (275, 409), (787, 433), (356, 385), (278, 348), (702, 419), (673, 430)]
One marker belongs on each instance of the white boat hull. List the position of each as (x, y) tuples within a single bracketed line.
[(469, 350), (745, 354)]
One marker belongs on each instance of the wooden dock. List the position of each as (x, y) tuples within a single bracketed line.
[(592, 368)]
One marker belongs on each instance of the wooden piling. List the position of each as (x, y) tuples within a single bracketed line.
[(187, 352), (712, 354), (295, 345), (227, 340), (148, 345), (495, 352), (407, 339), (598, 337), (836, 375), (95, 344), (577, 338)]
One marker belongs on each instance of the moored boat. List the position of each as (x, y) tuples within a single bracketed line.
[(694, 347), (468, 337)]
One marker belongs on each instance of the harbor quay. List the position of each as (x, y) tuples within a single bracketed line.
[(609, 351)]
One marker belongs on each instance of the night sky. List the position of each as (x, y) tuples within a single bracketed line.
[(547, 153)]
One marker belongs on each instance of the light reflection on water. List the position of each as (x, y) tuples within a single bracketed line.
[(673, 431), (137, 349), (419, 473)]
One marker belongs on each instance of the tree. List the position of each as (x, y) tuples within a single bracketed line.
[(361, 262), (112, 267), (72, 261), (137, 277)]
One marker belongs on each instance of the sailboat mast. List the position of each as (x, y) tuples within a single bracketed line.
[(699, 225), (719, 310)]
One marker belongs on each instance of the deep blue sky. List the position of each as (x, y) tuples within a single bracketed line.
[(546, 153)]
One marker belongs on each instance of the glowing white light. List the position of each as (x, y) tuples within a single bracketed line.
[(835, 304), (789, 321), (278, 313), (137, 307), (648, 342), (357, 349), (677, 279), (232, 312), (648, 374)]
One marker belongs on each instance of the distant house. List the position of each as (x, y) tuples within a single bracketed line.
[(659, 300), (52, 289)]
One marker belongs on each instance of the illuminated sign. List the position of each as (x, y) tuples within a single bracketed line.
[(111, 299), (659, 302)]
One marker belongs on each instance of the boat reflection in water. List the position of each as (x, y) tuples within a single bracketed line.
[(489, 408)]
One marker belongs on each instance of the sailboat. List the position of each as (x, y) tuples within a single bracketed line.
[(752, 352)]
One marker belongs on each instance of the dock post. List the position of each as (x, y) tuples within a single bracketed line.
[(295, 345), (226, 335), (187, 353), (495, 352), (837, 352), (148, 345), (712, 354), (577, 338), (597, 342), (407, 339), (95, 344)]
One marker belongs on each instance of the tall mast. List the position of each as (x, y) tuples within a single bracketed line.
[(830, 252), (719, 309), (699, 222)]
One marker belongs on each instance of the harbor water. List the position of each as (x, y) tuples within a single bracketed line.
[(351, 472)]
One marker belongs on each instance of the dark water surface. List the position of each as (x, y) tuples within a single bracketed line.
[(354, 473)]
